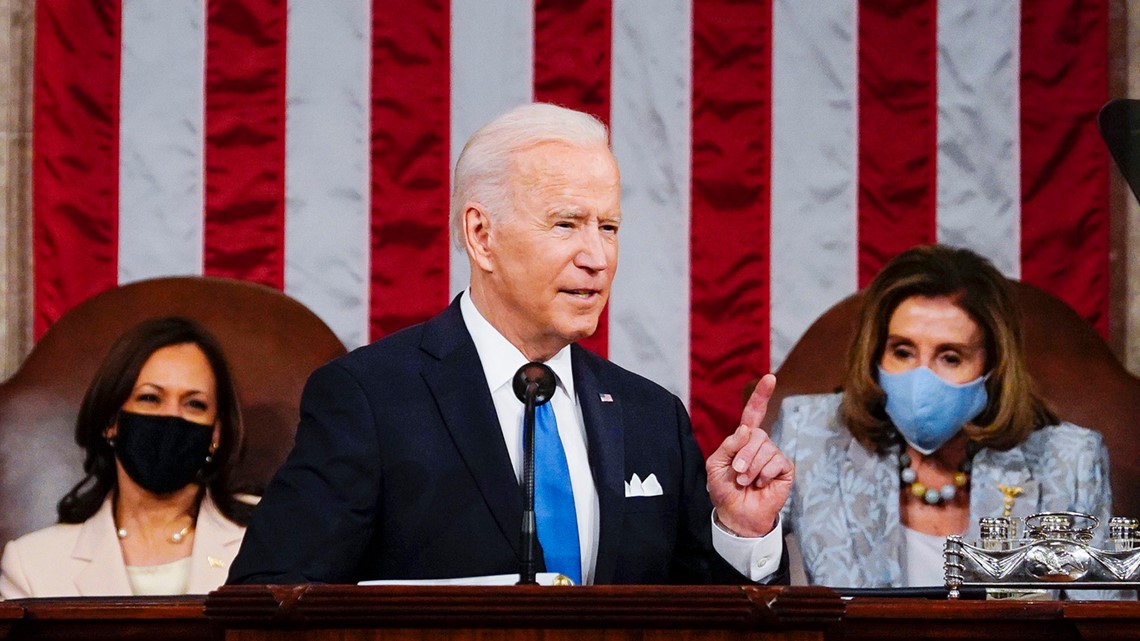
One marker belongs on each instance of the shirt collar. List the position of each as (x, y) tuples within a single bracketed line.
[(501, 359)]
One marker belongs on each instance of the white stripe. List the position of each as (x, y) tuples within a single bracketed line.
[(650, 118), (160, 138), (814, 164), (492, 70), (979, 187), (326, 162)]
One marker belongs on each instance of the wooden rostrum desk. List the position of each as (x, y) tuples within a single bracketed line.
[(9, 614), (524, 612), (253, 613), (98, 618)]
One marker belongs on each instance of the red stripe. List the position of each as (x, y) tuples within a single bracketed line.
[(411, 91), (572, 49), (1064, 167), (898, 136), (75, 168), (244, 231), (729, 237)]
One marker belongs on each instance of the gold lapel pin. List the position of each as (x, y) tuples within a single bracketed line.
[(215, 562), (1010, 492)]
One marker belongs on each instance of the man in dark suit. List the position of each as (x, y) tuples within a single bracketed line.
[(407, 461)]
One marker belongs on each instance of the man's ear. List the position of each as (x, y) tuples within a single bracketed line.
[(477, 236)]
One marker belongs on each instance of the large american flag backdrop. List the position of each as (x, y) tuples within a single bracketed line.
[(775, 153)]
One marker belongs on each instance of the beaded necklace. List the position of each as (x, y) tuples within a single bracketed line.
[(940, 496)]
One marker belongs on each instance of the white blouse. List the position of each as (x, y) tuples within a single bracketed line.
[(923, 559), (160, 580)]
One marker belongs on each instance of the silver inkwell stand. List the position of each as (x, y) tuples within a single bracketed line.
[(1049, 551)]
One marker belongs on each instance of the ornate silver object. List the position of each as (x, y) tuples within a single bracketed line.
[(1055, 550)]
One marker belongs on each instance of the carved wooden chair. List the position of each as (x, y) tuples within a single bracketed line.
[(1075, 371), (271, 341)]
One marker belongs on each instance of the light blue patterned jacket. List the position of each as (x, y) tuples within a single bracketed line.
[(844, 505)]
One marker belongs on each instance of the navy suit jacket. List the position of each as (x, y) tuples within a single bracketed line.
[(400, 471)]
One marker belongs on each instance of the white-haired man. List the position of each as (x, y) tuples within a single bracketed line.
[(408, 458)]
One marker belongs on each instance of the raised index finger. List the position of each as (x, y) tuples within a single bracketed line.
[(757, 405)]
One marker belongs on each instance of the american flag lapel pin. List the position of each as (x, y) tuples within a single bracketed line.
[(606, 398)]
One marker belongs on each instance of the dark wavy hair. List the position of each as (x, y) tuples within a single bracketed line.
[(1014, 409), (112, 387)]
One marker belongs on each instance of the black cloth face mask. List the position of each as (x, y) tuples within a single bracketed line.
[(162, 453)]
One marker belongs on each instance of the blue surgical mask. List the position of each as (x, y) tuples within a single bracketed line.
[(927, 410)]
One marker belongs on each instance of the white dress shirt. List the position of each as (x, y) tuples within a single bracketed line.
[(500, 361), (755, 558)]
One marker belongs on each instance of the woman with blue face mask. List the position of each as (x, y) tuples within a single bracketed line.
[(937, 425)]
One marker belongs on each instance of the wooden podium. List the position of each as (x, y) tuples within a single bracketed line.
[(602, 613), (255, 613)]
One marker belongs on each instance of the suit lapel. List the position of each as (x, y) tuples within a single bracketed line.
[(216, 541), (606, 445), (105, 572), (460, 389)]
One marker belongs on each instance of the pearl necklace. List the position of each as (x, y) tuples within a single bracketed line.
[(177, 537), (929, 495)]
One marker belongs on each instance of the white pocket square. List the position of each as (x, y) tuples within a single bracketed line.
[(637, 487)]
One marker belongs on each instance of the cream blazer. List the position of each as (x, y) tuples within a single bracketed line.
[(84, 559)]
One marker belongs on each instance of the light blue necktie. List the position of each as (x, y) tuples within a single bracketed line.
[(554, 499)]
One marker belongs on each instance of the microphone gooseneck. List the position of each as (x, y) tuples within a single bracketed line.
[(534, 385)]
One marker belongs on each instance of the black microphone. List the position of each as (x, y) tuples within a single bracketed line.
[(534, 385)]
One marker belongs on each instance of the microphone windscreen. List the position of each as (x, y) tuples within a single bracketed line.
[(540, 375), (1119, 123)]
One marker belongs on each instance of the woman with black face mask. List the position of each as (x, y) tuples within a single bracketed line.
[(155, 513)]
